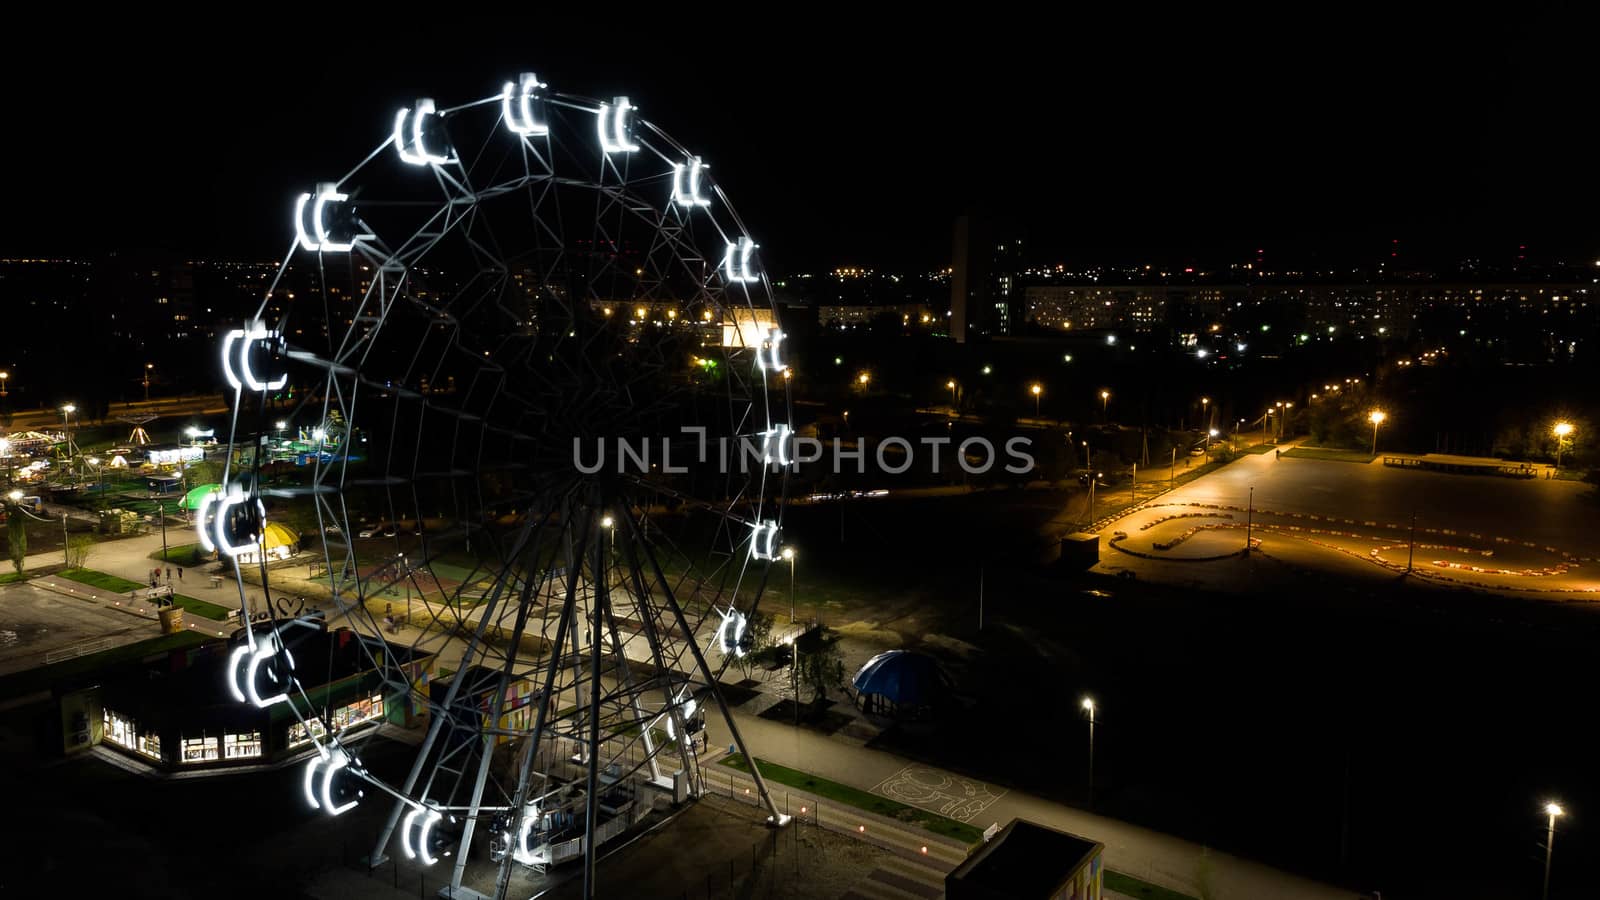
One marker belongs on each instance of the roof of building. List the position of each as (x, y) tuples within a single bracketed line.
[(1025, 860)]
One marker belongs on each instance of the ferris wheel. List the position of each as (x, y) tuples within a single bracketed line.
[(527, 345)]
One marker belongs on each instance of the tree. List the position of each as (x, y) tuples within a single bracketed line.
[(79, 548), (819, 662), (757, 641), (17, 534)]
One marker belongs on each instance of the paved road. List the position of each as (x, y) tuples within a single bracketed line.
[(1546, 513), (1150, 855)]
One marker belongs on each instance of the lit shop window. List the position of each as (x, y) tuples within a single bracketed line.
[(241, 746), (200, 749), (123, 732), (343, 719)]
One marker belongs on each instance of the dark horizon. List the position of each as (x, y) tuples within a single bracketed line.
[(1109, 141)]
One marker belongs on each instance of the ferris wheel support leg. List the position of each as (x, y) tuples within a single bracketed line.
[(647, 620), (462, 853), (774, 816), (520, 801), (600, 590), (380, 847)]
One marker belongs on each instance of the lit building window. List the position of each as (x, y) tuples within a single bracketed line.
[(343, 719), (200, 749), (124, 732), (241, 746)]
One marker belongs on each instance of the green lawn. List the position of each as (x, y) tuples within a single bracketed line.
[(188, 555), (13, 577), (102, 580), (203, 608), (1133, 887), (860, 799), (30, 680), (1330, 453), (1259, 449)]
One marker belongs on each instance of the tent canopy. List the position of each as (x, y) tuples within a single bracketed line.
[(196, 496), (904, 677)]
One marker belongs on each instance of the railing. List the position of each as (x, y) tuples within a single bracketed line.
[(73, 651)]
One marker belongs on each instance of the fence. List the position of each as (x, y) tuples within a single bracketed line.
[(73, 651)]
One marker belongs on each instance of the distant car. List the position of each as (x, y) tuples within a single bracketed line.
[(367, 531), (1198, 451), (389, 532)]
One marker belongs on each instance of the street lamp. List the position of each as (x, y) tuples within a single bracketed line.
[(1205, 410), (1088, 707), (864, 379), (1376, 417), (1551, 809), (1037, 390), (147, 368), (1562, 430), (788, 554), (66, 421), (951, 384), (1105, 401), (4, 377), (1210, 433)]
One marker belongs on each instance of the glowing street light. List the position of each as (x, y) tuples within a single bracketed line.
[(147, 368), (66, 420), (4, 377), (1205, 410), (1562, 430), (1551, 809), (1037, 389), (788, 554), (864, 379), (1087, 705), (1105, 402), (951, 384), (1376, 417)]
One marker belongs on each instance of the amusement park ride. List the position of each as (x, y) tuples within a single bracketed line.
[(559, 261)]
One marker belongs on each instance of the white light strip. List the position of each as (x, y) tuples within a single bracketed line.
[(340, 761), (612, 124), (686, 183), (257, 332), (522, 853), (227, 360), (770, 358), (264, 650), (234, 658), (777, 436), (730, 634), (310, 776), (764, 540), (417, 154), (521, 120), (315, 238), (306, 243), (419, 849), (736, 261)]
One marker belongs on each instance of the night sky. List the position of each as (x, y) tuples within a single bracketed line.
[(1149, 136)]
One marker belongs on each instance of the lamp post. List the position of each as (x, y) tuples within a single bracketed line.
[(1205, 410), (1088, 707), (1562, 430), (1037, 389), (4, 377), (147, 368), (951, 384), (1105, 403), (1376, 417), (1552, 810), (789, 554), (66, 422), (1209, 435), (405, 576)]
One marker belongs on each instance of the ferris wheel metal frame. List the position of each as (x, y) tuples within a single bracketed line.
[(640, 675)]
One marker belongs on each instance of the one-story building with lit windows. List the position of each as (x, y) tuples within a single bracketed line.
[(177, 713)]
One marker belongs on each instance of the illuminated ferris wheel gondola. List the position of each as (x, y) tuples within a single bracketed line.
[(521, 331)]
